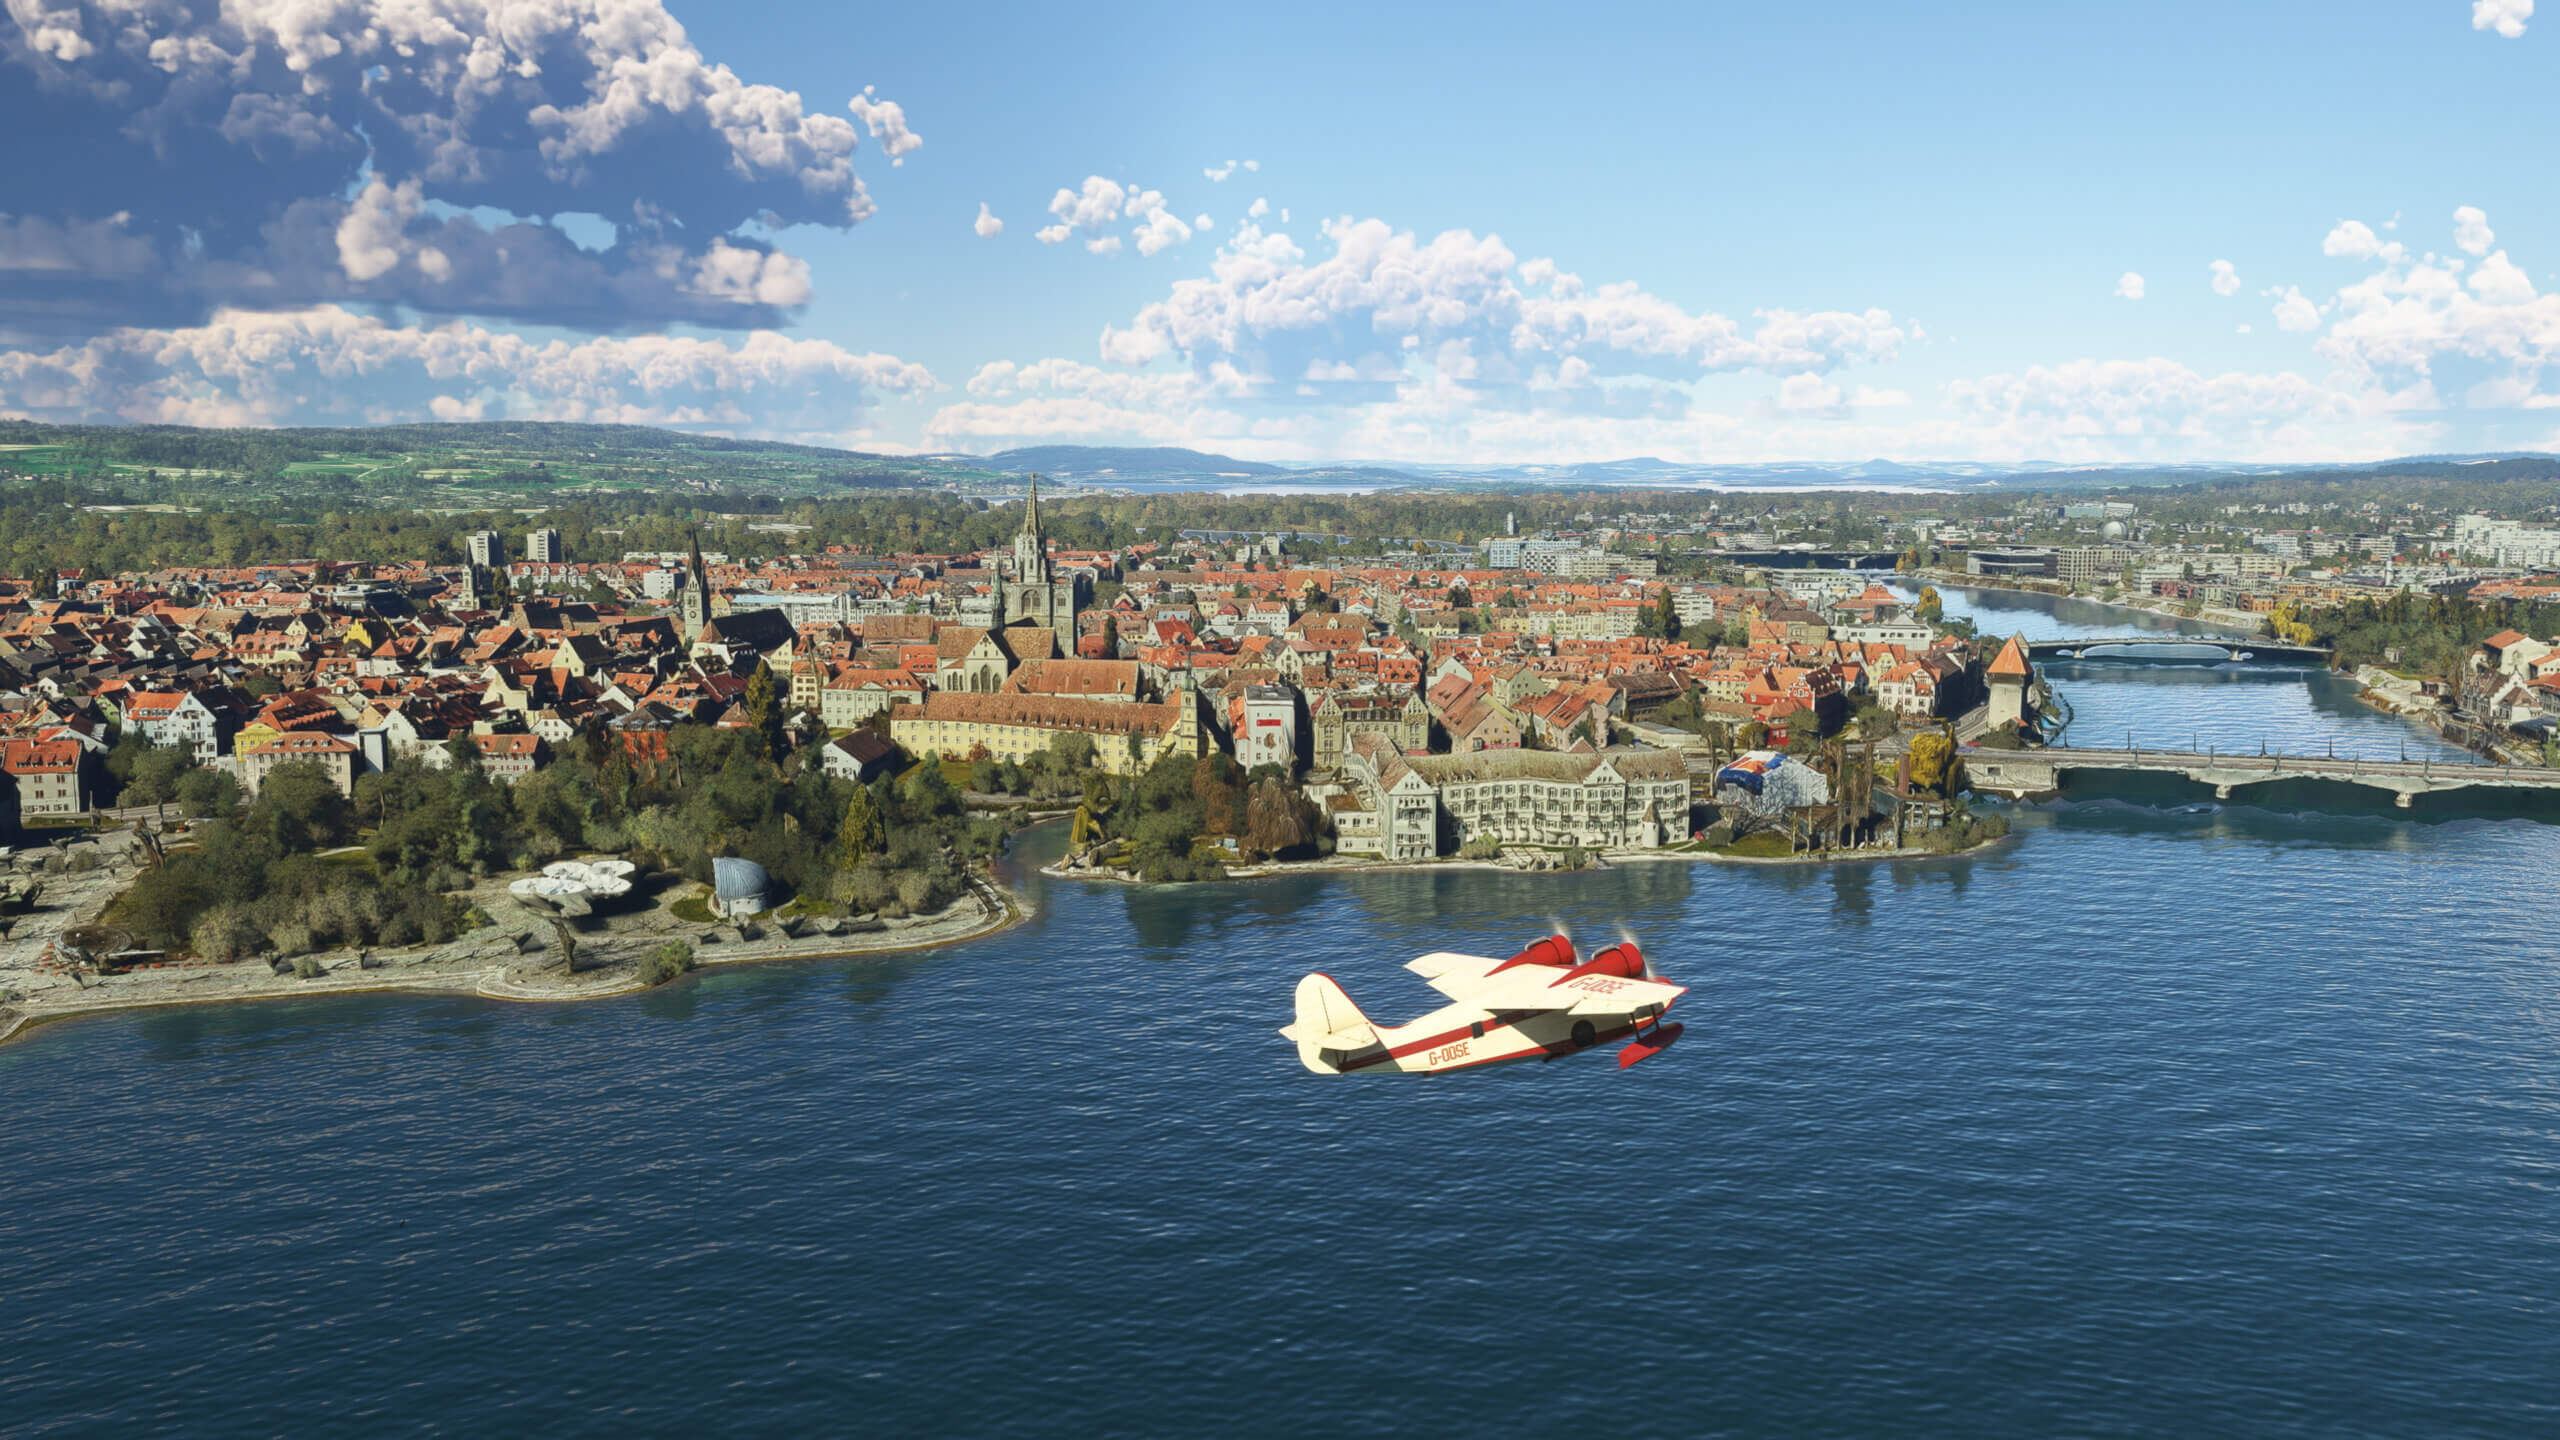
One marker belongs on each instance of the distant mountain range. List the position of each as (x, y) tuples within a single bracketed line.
[(1167, 466), (538, 454), (1079, 462), (1107, 467)]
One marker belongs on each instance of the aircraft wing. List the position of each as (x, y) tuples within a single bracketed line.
[(1535, 988), (1453, 974)]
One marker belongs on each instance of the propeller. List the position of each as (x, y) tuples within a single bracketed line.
[(1627, 938)]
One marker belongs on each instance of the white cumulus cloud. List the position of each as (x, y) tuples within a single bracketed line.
[(332, 366), (2355, 240), (243, 142), (1160, 230), (1091, 208), (2129, 286), (2294, 312), (2226, 278), (1808, 392), (2507, 17), (2471, 232), (987, 226), (1268, 309), (887, 122), (2413, 326), (2499, 281), (2134, 402)]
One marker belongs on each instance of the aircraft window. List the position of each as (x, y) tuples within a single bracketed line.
[(1476, 1030), (1583, 1034)]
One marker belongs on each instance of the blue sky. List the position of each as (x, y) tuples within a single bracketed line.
[(1490, 232)]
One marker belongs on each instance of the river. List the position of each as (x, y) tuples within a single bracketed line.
[(2143, 1123)]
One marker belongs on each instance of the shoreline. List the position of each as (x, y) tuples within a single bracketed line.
[(1335, 865), (2246, 623), (489, 963)]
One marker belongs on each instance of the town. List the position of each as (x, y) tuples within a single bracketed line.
[(1531, 692), (1734, 678)]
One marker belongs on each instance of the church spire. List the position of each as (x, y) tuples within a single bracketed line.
[(693, 600), (1030, 547)]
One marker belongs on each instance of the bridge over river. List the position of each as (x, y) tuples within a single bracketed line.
[(2020, 773), (2173, 649)]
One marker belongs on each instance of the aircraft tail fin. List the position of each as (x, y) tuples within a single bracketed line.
[(1329, 1027)]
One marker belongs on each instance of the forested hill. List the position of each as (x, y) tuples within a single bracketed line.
[(179, 446), (448, 464)]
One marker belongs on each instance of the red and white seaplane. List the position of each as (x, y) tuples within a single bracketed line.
[(1538, 1005)]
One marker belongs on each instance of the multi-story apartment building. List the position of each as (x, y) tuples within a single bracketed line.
[(51, 776), (1609, 800)]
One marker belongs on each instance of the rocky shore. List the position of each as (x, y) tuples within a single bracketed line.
[(43, 977)]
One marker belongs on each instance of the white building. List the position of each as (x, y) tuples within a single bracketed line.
[(1616, 799), (1267, 728), (1693, 605), (1911, 634), (175, 718), (543, 546), (2507, 542), (2084, 567), (1546, 557)]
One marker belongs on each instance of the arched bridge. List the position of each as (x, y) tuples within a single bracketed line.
[(2177, 648), (2039, 772)]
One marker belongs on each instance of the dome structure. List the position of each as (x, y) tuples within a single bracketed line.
[(739, 887), (2112, 530)]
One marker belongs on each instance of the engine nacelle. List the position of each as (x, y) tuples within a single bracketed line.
[(1622, 961), (1554, 951)]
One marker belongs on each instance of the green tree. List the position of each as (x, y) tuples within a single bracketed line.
[(202, 793), (862, 833), (299, 809), (927, 792), (1931, 759), (764, 712), (1661, 619)]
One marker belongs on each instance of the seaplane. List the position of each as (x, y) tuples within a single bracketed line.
[(1541, 1004)]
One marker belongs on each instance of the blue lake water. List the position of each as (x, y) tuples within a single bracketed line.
[(2146, 1123)]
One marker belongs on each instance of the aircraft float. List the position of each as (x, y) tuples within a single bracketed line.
[(1541, 1004)]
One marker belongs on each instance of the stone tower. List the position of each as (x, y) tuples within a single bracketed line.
[(693, 596), (1036, 595), (1030, 547)]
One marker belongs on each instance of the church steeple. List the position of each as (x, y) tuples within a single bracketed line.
[(1030, 547), (693, 601)]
